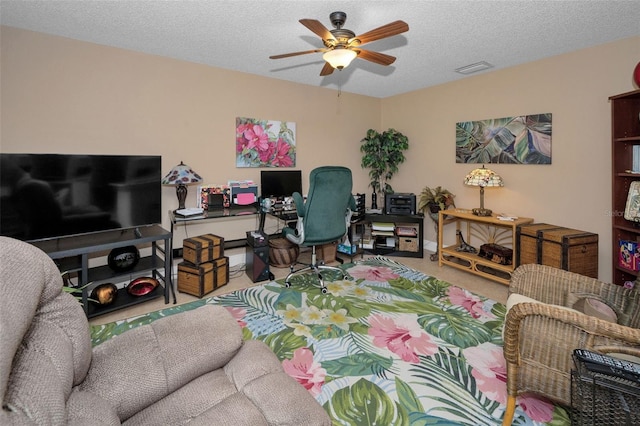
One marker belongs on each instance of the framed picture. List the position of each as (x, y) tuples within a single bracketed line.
[(524, 139), (265, 143)]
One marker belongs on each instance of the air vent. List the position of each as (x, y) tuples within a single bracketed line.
[(473, 68)]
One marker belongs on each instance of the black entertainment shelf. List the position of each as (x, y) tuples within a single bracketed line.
[(72, 253)]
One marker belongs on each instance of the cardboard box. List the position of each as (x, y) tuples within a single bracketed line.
[(629, 255), (327, 252), (202, 279), (203, 248)]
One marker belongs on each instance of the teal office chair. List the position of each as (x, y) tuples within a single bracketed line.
[(323, 218)]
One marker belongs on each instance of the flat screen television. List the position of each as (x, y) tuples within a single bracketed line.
[(46, 196), (280, 183)]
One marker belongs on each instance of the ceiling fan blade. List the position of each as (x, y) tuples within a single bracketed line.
[(326, 70), (287, 55), (394, 28), (316, 27), (377, 57)]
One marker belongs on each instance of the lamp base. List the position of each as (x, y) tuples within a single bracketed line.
[(482, 212)]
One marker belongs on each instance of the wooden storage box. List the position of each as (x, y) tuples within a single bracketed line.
[(203, 248), (564, 248), (204, 278), (408, 244), (496, 253)]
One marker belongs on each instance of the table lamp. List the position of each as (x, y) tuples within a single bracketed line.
[(483, 178), (181, 176)]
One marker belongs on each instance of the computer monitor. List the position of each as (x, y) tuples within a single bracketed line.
[(280, 183)]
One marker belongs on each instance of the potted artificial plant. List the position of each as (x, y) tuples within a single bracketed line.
[(381, 154), (432, 200)]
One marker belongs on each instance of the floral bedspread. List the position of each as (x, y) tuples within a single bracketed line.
[(392, 346)]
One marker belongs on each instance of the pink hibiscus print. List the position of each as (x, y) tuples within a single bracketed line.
[(257, 138), (403, 337), (281, 157), (538, 409), (307, 372), (469, 301), (489, 370), (238, 314), (372, 273)]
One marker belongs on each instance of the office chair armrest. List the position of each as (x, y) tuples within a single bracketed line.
[(298, 200)]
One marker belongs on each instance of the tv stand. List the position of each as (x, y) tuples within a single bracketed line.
[(72, 253)]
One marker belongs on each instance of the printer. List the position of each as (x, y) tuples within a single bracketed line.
[(400, 203)]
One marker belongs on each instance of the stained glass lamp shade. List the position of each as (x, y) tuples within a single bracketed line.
[(181, 176), (483, 178)]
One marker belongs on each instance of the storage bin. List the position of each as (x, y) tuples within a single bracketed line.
[(203, 248), (408, 244), (600, 399), (204, 278), (564, 248)]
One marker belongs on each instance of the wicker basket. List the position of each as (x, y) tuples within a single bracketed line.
[(282, 253)]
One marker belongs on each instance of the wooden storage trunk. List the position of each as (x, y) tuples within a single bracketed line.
[(564, 248), (204, 278), (527, 238), (203, 248)]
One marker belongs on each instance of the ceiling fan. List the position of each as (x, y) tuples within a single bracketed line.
[(342, 45)]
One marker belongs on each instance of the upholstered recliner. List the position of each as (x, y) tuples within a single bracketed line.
[(323, 217), (189, 367), (551, 312)]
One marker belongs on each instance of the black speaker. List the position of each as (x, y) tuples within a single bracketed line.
[(257, 263)]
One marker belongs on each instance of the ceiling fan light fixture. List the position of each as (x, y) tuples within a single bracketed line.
[(339, 58)]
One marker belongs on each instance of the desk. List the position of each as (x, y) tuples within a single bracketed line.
[(479, 230), (234, 212), (218, 214)]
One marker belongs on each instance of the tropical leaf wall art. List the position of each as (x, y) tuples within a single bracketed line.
[(524, 139)]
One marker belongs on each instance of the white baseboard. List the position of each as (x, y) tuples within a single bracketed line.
[(432, 246)]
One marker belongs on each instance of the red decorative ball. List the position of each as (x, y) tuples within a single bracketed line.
[(636, 74)]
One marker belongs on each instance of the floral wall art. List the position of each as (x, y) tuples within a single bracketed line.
[(524, 139), (265, 143)]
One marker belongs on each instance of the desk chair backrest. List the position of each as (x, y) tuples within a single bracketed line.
[(322, 216)]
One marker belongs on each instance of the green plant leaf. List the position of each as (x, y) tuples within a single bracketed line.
[(454, 326), (284, 343), (361, 364), (363, 403)]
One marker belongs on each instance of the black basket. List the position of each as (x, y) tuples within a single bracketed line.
[(600, 399)]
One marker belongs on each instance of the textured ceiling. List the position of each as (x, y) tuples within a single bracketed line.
[(241, 35)]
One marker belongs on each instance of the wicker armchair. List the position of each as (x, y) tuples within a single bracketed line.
[(539, 338)]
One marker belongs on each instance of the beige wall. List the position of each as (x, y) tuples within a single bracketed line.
[(575, 190), (63, 96)]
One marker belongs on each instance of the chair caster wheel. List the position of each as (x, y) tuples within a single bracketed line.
[(324, 290)]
